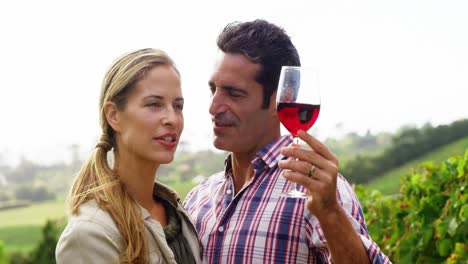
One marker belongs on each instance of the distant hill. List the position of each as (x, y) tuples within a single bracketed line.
[(408, 144), (389, 182), (353, 144)]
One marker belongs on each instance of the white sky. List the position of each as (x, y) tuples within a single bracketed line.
[(383, 63)]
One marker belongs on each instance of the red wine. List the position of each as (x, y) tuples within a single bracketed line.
[(295, 116)]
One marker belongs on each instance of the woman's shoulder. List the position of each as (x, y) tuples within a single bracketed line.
[(91, 220), (90, 235)]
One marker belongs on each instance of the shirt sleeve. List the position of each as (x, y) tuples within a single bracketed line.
[(87, 242), (351, 205)]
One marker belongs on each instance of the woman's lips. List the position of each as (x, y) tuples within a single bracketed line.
[(168, 140)]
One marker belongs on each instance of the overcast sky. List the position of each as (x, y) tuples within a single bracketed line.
[(383, 64)]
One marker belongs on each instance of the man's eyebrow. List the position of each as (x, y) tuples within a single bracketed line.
[(179, 99)]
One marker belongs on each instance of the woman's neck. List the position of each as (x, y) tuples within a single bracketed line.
[(138, 179)]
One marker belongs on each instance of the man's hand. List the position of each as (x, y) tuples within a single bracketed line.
[(316, 170)]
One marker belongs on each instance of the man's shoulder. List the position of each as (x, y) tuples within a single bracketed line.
[(214, 178), (206, 186)]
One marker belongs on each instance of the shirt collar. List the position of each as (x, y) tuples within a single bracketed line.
[(270, 154)]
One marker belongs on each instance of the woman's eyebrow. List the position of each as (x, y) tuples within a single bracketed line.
[(154, 96)]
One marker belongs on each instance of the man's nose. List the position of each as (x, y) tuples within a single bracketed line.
[(218, 103)]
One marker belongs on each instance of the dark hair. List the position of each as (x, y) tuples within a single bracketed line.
[(263, 43)]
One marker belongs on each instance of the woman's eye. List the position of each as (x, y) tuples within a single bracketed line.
[(153, 105)]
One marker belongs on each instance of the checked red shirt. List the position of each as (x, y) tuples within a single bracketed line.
[(256, 225)]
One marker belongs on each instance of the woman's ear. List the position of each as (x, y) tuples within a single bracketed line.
[(112, 115)]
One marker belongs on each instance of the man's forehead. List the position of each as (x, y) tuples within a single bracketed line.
[(235, 63)]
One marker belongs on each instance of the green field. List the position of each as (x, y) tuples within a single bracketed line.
[(35, 214), (182, 188), (20, 228), (389, 183), (20, 238)]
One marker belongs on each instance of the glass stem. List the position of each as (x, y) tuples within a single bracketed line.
[(293, 184)]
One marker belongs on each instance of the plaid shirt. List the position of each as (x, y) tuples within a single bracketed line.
[(256, 225)]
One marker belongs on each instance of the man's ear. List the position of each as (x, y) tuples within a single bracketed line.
[(112, 115), (272, 105)]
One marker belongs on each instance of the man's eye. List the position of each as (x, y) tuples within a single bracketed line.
[(179, 107), (234, 93)]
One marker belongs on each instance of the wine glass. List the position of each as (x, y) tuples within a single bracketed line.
[(298, 105)]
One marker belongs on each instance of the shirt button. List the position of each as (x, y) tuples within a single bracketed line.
[(229, 191), (220, 229)]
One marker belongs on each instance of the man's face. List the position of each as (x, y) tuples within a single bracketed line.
[(240, 124)]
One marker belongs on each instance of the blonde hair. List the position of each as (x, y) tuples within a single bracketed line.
[(96, 180)]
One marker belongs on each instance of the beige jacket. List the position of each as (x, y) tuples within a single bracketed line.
[(91, 236)]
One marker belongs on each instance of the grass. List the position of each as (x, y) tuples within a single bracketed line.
[(182, 188), (33, 215), (389, 183), (20, 238), (20, 228)]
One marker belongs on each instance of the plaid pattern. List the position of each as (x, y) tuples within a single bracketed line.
[(257, 225)]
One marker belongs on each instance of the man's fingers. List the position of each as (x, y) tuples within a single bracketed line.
[(310, 183), (295, 165), (304, 155), (316, 145)]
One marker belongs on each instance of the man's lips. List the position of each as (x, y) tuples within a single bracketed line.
[(218, 123), (220, 127)]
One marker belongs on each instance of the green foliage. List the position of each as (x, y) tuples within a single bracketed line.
[(389, 182), (2, 253), (408, 145), (19, 258), (185, 167), (353, 144), (182, 188), (428, 221), (22, 238), (44, 251), (33, 193)]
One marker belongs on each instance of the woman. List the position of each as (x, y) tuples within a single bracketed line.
[(119, 213)]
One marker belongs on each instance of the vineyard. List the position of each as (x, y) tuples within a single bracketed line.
[(427, 221)]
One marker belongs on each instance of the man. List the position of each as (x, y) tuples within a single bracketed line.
[(238, 213)]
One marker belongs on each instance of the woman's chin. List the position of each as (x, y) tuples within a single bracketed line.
[(166, 159)]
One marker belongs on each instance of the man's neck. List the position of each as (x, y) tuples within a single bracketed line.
[(242, 170)]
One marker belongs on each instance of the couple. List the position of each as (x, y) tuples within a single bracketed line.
[(121, 214)]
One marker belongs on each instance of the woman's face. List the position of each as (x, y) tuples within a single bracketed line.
[(152, 121)]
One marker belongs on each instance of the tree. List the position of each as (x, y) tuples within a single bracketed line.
[(45, 251)]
